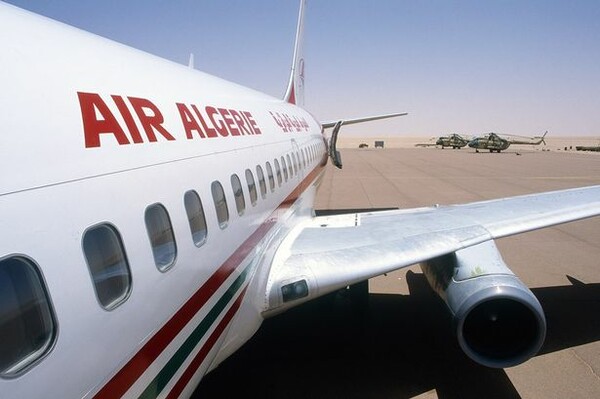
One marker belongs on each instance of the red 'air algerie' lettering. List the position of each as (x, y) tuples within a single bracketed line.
[(133, 130), (134, 115), (189, 123), (155, 120), (224, 121), (229, 122), (210, 132), (220, 126), (239, 121), (98, 119), (94, 127)]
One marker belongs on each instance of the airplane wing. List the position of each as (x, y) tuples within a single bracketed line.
[(331, 252), (330, 124), (336, 125)]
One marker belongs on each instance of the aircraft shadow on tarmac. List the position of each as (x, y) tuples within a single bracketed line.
[(397, 346)]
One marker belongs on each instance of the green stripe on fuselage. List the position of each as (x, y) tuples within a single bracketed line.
[(168, 371)]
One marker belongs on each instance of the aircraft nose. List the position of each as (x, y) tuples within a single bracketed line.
[(473, 143)]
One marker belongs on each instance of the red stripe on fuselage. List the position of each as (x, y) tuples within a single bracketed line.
[(199, 358), (122, 381)]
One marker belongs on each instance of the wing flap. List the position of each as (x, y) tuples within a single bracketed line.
[(330, 252)]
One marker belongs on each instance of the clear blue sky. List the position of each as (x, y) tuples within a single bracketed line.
[(519, 67)]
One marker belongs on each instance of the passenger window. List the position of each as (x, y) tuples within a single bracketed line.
[(251, 186), (289, 162), (238, 194), (108, 265), (270, 175), (261, 181), (295, 159), (196, 219), (284, 167), (278, 172), (27, 324), (220, 204), (160, 233)]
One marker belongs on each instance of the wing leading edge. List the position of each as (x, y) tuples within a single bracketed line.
[(331, 252)]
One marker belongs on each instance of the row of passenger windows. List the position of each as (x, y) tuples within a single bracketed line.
[(27, 320)]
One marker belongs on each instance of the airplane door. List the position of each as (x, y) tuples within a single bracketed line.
[(299, 169)]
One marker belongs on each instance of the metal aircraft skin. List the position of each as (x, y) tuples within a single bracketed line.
[(153, 216), (493, 142), (456, 141)]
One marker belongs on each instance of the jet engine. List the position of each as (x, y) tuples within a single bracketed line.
[(498, 321)]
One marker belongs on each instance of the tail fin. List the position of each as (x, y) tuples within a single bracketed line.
[(295, 90), (544, 141), (541, 139)]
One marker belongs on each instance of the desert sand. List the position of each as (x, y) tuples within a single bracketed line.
[(403, 346)]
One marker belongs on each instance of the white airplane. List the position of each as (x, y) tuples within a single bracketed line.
[(153, 216)]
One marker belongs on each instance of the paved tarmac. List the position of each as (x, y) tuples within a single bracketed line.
[(402, 346)]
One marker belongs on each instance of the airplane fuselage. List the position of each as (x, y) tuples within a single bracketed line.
[(105, 154)]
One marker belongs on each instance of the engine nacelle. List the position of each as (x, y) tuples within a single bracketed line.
[(499, 322)]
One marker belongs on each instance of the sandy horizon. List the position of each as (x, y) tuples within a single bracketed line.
[(552, 143)]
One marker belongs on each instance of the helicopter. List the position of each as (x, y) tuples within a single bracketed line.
[(453, 140), (493, 142)]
